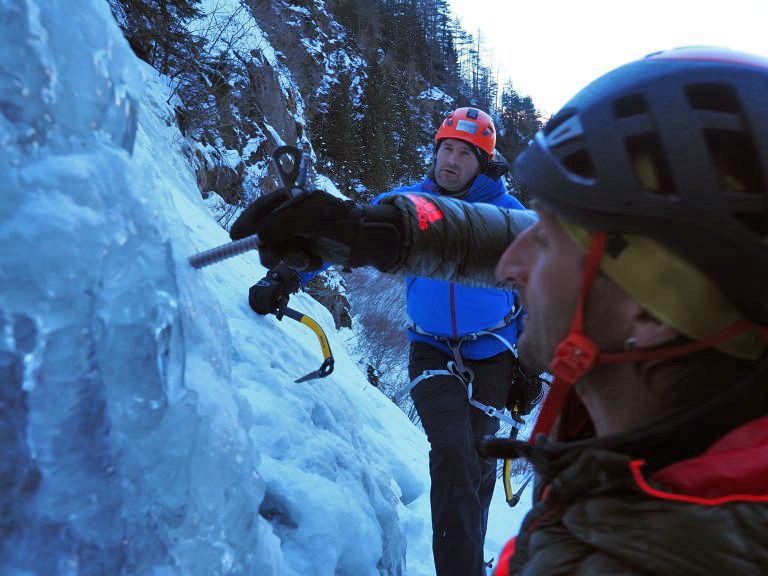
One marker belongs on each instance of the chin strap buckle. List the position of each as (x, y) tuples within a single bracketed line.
[(574, 357)]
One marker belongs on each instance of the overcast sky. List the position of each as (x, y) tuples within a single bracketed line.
[(552, 48)]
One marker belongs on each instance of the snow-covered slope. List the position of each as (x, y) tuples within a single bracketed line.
[(150, 421)]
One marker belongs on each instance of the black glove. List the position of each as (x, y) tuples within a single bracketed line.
[(270, 294), (318, 227)]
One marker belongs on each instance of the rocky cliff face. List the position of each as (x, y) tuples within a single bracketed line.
[(267, 66), (331, 291)]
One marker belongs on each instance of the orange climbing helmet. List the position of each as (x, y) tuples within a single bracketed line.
[(471, 125)]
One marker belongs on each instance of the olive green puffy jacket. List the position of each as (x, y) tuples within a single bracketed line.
[(602, 510), (595, 519)]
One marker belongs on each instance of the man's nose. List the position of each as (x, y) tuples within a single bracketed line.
[(512, 265), (453, 157)]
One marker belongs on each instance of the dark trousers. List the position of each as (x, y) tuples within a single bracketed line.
[(462, 482)]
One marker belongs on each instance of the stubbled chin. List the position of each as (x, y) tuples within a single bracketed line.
[(449, 182)]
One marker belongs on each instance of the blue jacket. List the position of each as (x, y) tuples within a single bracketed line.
[(454, 310)]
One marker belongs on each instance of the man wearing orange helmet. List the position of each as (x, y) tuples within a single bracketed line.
[(465, 329), (464, 147), (644, 278), (461, 363)]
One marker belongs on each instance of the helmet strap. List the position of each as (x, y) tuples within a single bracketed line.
[(677, 351), (577, 354)]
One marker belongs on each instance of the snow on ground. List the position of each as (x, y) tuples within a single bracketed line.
[(326, 184), (334, 453), (156, 413), (435, 93), (278, 140)]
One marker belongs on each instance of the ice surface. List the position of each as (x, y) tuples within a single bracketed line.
[(149, 422)]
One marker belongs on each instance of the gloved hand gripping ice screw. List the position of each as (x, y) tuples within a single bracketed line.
[(293, 186)]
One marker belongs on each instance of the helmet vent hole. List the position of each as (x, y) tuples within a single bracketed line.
[(580, 163), (715, 97), (649, 164), (633, 105), (558, 119), (736, 161), (758, 223)]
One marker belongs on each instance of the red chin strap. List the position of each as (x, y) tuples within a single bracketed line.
[(577, 354)]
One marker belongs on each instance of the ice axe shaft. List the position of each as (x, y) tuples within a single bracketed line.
[(327, 366)]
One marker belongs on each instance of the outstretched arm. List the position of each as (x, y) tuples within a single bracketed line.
[(448, 239), (409, 234)]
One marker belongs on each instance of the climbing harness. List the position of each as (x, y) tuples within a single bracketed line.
[(465, 374)]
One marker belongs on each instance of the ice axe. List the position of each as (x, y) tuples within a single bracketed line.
[(327, 366), (294, 184)]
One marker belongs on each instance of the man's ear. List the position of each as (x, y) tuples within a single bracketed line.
[(648, 332)]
